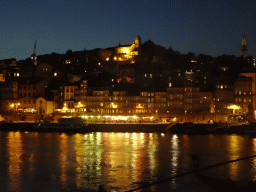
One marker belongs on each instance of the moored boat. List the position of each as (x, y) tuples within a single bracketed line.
[(64, 123)]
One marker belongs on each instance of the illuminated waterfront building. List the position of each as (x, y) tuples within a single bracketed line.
[(243, 97), (29, 89)]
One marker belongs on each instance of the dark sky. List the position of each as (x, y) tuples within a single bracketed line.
[(213, 27)]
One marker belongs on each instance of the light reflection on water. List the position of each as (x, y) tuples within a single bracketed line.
[(119, 161)]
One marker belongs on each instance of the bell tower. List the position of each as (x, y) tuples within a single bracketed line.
[(137, 42), (33, 56), (244, 47)]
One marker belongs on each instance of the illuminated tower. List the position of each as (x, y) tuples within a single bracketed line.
[(244, 47), (33, 56), (137, 42)]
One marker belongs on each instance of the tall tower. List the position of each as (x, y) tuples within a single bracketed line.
[(244, 47), (137, 42), (33, 56)]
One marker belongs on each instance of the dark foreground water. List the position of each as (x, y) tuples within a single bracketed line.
[(119, 161)]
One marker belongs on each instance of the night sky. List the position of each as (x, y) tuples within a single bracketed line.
[(212, 27)]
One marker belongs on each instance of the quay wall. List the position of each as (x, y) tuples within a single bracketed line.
[(17, 126)]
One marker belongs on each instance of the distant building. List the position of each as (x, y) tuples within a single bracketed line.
[(122, 52), (243, 108), (33, 56), (29, 89), (244, 47)]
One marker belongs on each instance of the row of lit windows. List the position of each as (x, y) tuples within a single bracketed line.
[(244, 100), (221, 86), (174, 103), (14, 74), (147, 94), (241, 93), (150, 75)]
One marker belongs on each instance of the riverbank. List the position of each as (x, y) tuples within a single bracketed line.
[(30, 126), (218, 128), (186, 128)]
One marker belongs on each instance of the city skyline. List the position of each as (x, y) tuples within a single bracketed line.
[(213, 27)]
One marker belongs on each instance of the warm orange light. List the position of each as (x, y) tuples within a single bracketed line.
[(233, 107)]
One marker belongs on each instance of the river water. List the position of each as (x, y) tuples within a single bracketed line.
[(33, 161)]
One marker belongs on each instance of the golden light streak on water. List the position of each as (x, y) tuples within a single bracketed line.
[(253, 171), (89, 149), (152, 147), (175, 156), (78, 140), (14, 165), (235, 145), (63, 158)]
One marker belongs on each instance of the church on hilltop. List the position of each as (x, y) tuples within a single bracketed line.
[(122, 53)]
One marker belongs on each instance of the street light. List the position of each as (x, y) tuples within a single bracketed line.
[(15, 105)]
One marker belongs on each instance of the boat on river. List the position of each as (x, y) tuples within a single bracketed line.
[(64, 123)]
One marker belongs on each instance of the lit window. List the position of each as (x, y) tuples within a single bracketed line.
[(150, 75), (55, 74), (18, 74), (170, 84), (221, 86), (145, 75), (240, 92)]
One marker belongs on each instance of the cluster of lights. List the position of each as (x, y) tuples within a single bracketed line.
[(8, 53)]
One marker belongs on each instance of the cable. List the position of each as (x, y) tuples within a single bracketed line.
[(189, 172)]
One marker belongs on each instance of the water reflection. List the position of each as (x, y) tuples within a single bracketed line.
[(63, 158), (119, 161), (175, 156), (15, 151), (235, 146)]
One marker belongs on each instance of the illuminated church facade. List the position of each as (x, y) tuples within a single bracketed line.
[(124, 53)]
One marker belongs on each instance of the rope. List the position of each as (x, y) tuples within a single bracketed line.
[(190, 172)]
